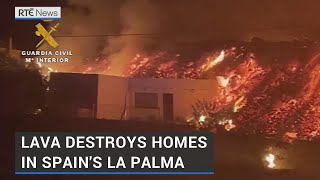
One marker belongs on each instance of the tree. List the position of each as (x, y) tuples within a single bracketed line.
[(22, 87)]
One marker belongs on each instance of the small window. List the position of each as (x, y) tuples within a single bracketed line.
[(146, 100)]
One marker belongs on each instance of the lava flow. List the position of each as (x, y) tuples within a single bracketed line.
[(273, 98)]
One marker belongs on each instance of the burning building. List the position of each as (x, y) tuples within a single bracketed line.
[(111, 97)]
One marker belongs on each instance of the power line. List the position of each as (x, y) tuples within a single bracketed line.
[(109, 35), (166, 34)]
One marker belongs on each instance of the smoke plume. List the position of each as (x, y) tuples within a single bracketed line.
[(137, 17), (177, 23)]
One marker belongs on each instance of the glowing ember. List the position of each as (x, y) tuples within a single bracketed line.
[(289, 137), (229, 125), (239, 104), (223, 122), (202, 118), (270, 158), (223, 82), (291, 134)]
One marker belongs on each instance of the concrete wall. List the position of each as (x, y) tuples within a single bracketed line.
[(117, 93), (185, 93), (72, 95), (111, 97)]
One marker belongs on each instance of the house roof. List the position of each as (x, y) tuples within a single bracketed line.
[(158, 82)]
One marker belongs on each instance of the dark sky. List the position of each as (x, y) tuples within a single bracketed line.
[(179, 20)]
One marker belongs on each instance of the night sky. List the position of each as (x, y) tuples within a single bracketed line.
[(179, 20)]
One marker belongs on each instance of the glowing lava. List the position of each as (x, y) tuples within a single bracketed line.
[(223, 82), (263, 96), (216, 61)]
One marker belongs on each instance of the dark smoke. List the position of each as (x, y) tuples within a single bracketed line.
[(179, 23)]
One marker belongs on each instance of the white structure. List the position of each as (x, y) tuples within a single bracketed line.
[(150, 98)]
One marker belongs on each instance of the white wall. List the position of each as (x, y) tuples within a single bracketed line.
[(112, 92), (185, 92)]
